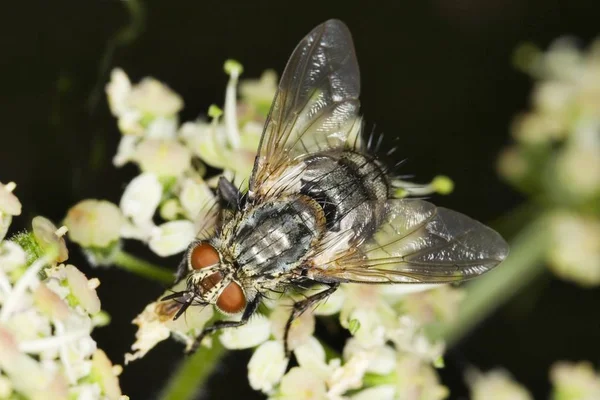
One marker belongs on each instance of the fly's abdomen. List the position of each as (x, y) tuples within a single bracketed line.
[(350, 187), (275, 237)]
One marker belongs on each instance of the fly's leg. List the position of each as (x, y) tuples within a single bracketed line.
[(229, 194), (300, 307), (250, 309)]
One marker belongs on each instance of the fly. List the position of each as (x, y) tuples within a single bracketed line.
[(319, 208)]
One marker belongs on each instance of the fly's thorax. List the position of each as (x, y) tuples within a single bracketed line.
[(274, 237), (212, 280)]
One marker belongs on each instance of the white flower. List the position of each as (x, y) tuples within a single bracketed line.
[(9, 203), (117, 91), (578, 165), (170, 209), (94, 223), (267, 366), (9, 206), (301, 384), (162, 128), (350, 375), (81, 290), (46, 310), (12, 256), (255, 332), (260, 91), (195, 197), (141, 198), (495, 384), (171, 237), (103, 370), (207, 141), (311, 355), (126, 150), (575, 381), (416, 380), (167, 158), (154, 98), (575, 251)]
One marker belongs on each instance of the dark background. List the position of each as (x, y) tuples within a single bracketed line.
[(436, 74)]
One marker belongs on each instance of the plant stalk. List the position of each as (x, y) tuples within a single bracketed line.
[(192, 372), (143, 268)]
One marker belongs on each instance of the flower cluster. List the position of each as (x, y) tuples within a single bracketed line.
[(570, 381), (48, 310), (173, 160), (391, 353), (556, 155)]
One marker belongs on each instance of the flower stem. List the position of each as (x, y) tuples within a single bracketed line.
[(187, 380), (143, 268), (524, 263)]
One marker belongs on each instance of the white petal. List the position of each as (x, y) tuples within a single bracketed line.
[(126, 150), (383, 392), (5, 220), (94, 223), (255, 332), (130, 123), (78, 283), (267, 366), (155, 98), (172, 237), (302, 384), (139, 232), (117, 91), (311, 356), (9, 203), (163, 157), (11, 256), (162, 128), (195, 197), (141, 197)]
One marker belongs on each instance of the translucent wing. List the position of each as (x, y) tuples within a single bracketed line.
[(419, 243), (316, 105)]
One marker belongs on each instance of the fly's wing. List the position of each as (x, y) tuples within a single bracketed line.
[(419, 243), (315, 107)]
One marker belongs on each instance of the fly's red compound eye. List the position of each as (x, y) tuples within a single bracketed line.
[(204, 255), (232, 299)]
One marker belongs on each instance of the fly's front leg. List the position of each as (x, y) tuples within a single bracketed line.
[(250, 309), (301, 306), (229, 194)]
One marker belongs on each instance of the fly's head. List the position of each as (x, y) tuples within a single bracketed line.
[(210, 280)]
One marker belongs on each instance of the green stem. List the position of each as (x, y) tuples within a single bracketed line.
[(143, 268), (524, 263), (192, 373)]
